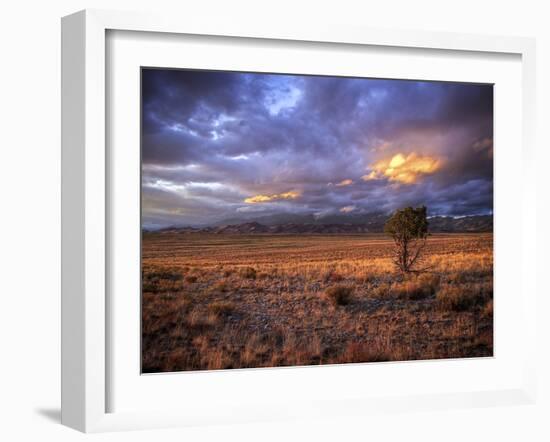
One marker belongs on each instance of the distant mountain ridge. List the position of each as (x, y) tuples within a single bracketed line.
[(374, 224)]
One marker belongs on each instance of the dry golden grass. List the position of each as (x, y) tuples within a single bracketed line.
[(237, 301)]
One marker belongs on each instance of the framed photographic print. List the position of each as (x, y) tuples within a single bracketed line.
[(307, 220), (250, 213)]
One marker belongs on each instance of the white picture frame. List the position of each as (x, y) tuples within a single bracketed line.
[(85, 210)]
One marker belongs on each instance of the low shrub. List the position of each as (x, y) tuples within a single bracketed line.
[(411, 290), (460, 298), (332, 276), (339, 294), (221, 307), (379, 291), (417, 287), (430, 281), (248, 273), (169, 275), (220, 287), (161, 281), (191, 279), (336, 277), (457, 278), (198, 321)]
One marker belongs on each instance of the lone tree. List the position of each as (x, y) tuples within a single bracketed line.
[(409, 229)]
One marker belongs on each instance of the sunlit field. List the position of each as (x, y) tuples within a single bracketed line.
[(237, 301)]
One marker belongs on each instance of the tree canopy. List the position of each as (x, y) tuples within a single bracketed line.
[(409, 229)]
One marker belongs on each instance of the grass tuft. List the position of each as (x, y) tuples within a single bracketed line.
[(248, 273), (221, 307), (220, 287), (461, 298), (339, 294), (417, 287)]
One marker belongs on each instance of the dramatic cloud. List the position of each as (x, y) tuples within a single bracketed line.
[(268, 198), (405, 169), (219, 146)]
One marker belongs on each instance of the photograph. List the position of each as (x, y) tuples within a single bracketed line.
[(305, 220)]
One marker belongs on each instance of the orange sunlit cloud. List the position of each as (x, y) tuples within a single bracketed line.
[(347, 182), (403, 169), (274, 197)]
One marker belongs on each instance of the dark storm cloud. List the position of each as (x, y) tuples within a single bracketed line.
[(218, 145)]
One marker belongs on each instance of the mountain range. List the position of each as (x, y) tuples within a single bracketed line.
[(336, 225)]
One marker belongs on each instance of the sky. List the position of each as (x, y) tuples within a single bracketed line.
[(240, 146)]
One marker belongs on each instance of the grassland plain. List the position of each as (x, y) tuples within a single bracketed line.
[(236, 301)]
